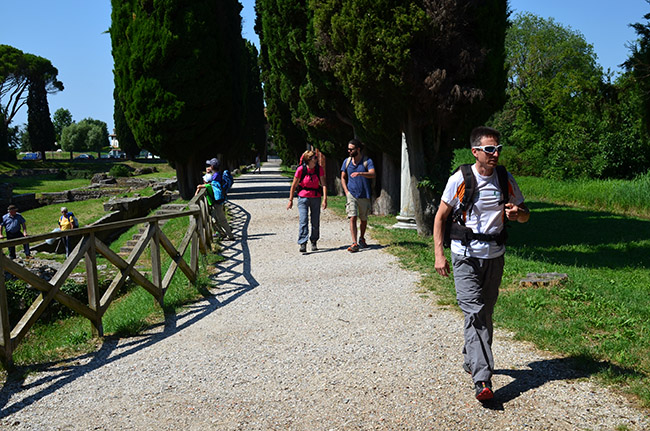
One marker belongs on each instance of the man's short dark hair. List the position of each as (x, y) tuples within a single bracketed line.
[(481, 132), (12, 208), (357, 143)]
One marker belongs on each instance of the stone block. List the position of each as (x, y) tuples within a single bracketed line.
[(546, 279)]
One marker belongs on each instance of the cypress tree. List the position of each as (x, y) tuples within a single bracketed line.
[(39, 123), (177, 75), (125, 137)]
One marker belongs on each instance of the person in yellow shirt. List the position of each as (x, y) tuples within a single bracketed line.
[(67, 221)]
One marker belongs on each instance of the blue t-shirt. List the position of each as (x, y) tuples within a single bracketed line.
[(359, 187), (12, 224)]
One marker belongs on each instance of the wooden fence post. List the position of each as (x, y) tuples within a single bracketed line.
[(194, 255), (5, 327), (94, 294), (156, 267)]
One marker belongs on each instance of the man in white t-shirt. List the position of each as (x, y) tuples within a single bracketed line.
[(478, 259)]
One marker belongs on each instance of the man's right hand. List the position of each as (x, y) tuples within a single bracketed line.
[(442, 266)]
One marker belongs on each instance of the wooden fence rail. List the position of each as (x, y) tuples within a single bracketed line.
[(197, 237)]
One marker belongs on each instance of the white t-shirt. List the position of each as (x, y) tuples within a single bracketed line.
[(486, 216)]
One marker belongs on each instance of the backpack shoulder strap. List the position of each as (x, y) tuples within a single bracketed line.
[(303, 174), (502, 175), (347, 162), (470, 187)]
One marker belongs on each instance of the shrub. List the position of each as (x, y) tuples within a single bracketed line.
[(21, 295), (120, 171), (71, 174)]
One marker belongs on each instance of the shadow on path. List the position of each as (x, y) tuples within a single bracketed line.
[(55, 375), (542, 372)]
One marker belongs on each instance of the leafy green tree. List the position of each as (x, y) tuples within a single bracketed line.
[(178, 78), (61, 119), (639, 63), (73, 137), (23, 139), (432, 69), (14, 137), (87, 135), (98, 138), (623, 143), (554, 89)]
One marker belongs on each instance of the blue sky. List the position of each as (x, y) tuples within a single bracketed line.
[(70, 33)]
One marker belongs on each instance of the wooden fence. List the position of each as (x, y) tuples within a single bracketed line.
[(198, 238)]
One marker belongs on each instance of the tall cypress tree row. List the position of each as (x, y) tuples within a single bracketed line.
[(255, 130), (304, 102), (177, 75), (432, 69), (279, 23)]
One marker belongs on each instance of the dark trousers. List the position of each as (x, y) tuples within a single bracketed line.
[(12, 250)]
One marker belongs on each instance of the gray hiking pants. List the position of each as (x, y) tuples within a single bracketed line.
[(219, 221), (477, 288)]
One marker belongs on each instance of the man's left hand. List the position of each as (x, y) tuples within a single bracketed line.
[(517, 213)]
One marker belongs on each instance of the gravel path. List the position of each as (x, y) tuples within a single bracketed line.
[(322, 341)]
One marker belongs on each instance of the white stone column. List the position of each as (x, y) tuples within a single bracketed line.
[(406, 217)]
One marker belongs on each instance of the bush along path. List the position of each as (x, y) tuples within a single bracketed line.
[(326, 340)]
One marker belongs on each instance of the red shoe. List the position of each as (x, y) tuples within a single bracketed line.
[(353, 248), (484, 391)]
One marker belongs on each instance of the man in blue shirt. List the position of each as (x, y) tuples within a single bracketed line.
[(357, 172), (12, 222)]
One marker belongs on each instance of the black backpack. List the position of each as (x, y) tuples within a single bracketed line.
[(455, 227)]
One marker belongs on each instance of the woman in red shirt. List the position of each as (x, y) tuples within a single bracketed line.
[(312, 194)]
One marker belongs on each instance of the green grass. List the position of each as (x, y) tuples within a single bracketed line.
[(627, 197), (45, 183), (45, 219), (599, 318)]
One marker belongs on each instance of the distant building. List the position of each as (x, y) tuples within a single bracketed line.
[(114, 142)]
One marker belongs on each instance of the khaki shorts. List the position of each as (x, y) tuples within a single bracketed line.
[(357, 207)]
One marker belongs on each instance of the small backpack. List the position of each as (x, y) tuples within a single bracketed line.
[(226, 181), (455, 226)]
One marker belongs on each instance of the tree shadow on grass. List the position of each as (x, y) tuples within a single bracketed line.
[(570, 236)]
